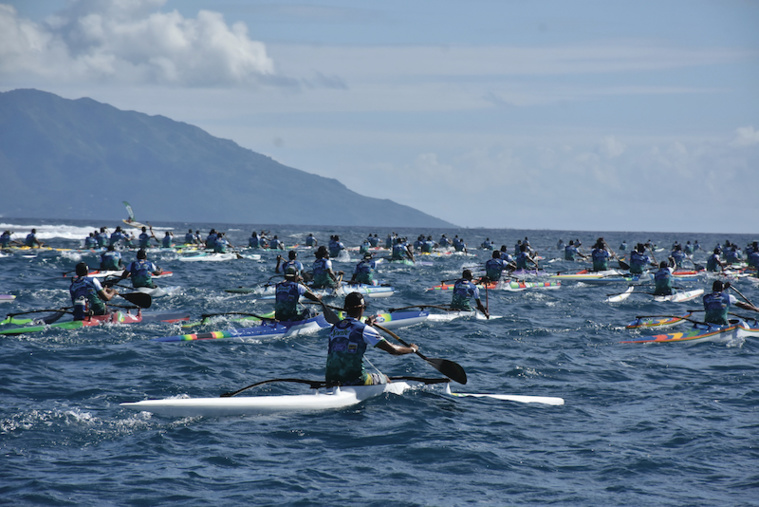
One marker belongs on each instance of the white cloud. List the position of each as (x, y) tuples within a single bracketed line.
[(129, 41), (746, 136)]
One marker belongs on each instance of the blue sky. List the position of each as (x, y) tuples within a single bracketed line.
[(581, 115)]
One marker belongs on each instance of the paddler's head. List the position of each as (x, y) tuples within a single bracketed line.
[(496, 254), (291, 273), (354, 304), (292, 254), (466, 274), (82, 269), (717, 286), (141, 254)]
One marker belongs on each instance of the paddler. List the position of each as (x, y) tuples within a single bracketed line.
[(141, 271), (110, 260), (5, 239), (463, 291), (311, 240), (143, 240), (287, 297), (663, 280), (348, 340), (31, 240), (717, 304), (571, 250), (714, 263), (168, 240), (639, 259), (292, 260), (88, 295), (496, 265), (600, 255), (364, 271), (324, 277), (524, 256)]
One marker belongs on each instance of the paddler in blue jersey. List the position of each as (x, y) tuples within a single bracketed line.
[(463, 291), (311, 240), (752, 257), (714, 263), (292, 260), (364, 271), (119, 236), (168, 240), (141, 271), (287, 306), (639, 260), (31, 240), (677, 255), (143, 240), (90, 242), (6, 240), (324, 277), (524, 257), (401, 251), (600, 255), (663, 280), (571, 250), (335, 246), (495, 266), (221, 243), (88, 295), (348, 341), (211, 239), (253, 241), (189, 238), (102, 237), (110, 260), (717, 304)]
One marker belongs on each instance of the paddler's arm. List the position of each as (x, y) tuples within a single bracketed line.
[(746, 306), (107, 293), (279, 260), (397, 350), (313, 297)]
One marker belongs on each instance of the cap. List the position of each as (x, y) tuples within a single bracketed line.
[(291, 272)]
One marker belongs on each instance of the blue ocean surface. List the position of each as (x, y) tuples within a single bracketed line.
[(654, 424)]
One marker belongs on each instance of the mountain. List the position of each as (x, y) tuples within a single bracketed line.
[(80, 159)]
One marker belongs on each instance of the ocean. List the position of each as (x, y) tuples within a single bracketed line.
[(656, 424)]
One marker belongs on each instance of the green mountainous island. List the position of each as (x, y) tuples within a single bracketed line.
[(80, 159)]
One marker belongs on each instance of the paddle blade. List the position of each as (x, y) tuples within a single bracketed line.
[(329, 315), (453, 371), (138, 298)]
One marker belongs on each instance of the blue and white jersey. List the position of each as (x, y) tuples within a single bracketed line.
[(321, 268), (717, 307), (287, 296), (294, 263), (141, 271), (494, 268), (84, 291), (638, 262), (600, 259), (220, 245), (570, 251), (463, 292), (31, 239), (364, 272), (110, 260), (144, 240), (348, 340), (167, 241), (663, 282)]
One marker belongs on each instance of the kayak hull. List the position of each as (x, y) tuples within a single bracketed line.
[(737, 329), (333, 398)]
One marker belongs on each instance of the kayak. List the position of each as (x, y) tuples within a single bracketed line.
[(6, 298), (102, 274), (457, 314), (681, 296), (275, 329), (658, 321), (117, 317), (701, 332), (264, 330), (324, 398), (510, 285), (208, 257), (372, 291)]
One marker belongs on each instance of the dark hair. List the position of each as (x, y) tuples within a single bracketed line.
[(82, 269)]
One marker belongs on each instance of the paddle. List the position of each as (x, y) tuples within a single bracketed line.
[(138, 298), (740, 294), (452, 370), (59, 312)]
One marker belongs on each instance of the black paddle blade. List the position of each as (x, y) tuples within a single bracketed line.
[(453, 371), (329, 315), (138, 298)]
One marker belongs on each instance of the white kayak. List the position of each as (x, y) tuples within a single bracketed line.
[(208, 257), (331, 398), (680, 297), (321, 399), (452, 315)]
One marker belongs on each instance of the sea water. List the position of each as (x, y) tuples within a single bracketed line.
[(662, 424)]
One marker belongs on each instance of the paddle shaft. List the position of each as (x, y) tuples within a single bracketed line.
[(452, 370)]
